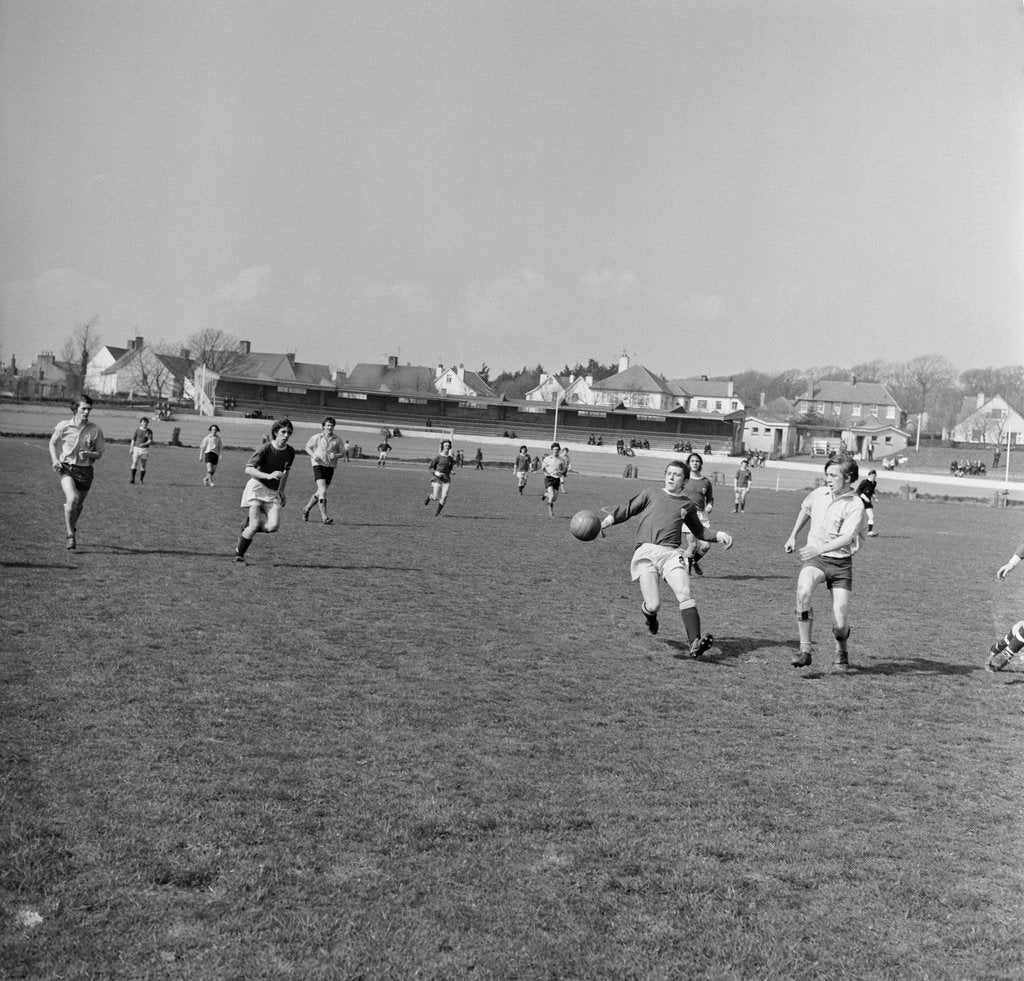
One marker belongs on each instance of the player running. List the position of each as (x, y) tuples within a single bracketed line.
[(76, 444), (323, 449), (658, 553), (521, 468), (553, 468), (263, 497), (441, 476), (209, 452), (836, 515)]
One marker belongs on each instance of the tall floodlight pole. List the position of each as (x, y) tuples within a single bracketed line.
[(1007, 477), (554, 438)]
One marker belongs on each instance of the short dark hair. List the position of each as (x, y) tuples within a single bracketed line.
[(144, 419), (215, 426), (328, 419), (682, 466), (82, 399), (690, 456)]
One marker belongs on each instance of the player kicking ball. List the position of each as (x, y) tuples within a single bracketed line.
[(658, 553)]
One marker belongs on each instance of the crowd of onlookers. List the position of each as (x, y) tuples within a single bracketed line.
[(968, 468)]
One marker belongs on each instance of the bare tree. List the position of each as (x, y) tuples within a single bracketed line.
[(930, 376), (217, 349), (82, 343)]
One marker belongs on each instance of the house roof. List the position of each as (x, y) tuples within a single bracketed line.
[(844, 391), (474, 382), (704, 388), (381, 378), (969, 406), (636, 378), (280, 369)]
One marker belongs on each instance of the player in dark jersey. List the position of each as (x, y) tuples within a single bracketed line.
[(521, 468), (866, 492), (658, 552), (441, 476), (263, 497), (701, 491)]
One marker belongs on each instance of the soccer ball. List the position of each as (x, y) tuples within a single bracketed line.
[(585, 525)]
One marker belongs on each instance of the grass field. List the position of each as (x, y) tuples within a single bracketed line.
[(415, 747)]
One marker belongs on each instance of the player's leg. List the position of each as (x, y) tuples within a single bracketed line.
[(870, 512), (841, 625), (679, 582), (271, 518), (249, 529), (321, 499), (143, 457), (810, 578), (442, 497), (1003, 651), (72, 507), (650, 590)]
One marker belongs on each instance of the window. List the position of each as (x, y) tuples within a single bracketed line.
[(888, 440), (821, 408), (837, 407), (753, 430), (890, 412), (598, 415), (735, 406), (856, 410), (353, 395), (874, 410), (406, 400), (718, 406)]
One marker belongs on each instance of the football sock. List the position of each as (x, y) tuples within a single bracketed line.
[(691, 622), (804, 622), (142, 476), (841, 635), (132, 481), (243, 545)]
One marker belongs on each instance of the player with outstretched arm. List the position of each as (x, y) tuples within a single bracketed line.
[(658, 553), (441, 476)]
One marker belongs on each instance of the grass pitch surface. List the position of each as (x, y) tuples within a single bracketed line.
[(407, 746)]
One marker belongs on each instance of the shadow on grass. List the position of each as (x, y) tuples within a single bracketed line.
[(915, 665), (745, 578), (34, 565)]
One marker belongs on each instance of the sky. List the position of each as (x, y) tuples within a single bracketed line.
[(706, 186)]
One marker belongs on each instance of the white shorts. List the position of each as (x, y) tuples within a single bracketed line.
[(139, 453), (257, 493), (661, 559)]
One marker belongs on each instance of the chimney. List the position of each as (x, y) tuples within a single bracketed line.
[(291, 359), (185, 354), (392, 361), (590, 381), (728, 391), (763, 403), (981, 400), (244, 347), (440, 371), (853, 381), (462, 371), (623, 362), (135, 344)]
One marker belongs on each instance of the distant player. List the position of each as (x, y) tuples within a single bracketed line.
[(263, 497), (521, 468), (76, 444), (1003, 651), (564, 489), (553, 468), (836, 515), (866, 492), (209, 452), (383, 449), (441, 476), (323, 449), (138, 450), (658, 553), (478, 459), (701, 491), (741, 487)]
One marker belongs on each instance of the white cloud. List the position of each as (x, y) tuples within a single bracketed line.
[(609, 283), (249, 285)]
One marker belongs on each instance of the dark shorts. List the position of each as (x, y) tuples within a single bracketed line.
[(211, 458), (838, 572), (555, 482), (82, 476), (326, 474)]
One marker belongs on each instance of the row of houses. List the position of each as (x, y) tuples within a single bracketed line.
[(862, 416)]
